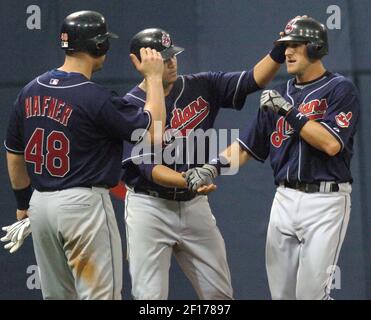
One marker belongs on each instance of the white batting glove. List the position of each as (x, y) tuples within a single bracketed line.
[(198, 177), (271, 99), (15, 234)]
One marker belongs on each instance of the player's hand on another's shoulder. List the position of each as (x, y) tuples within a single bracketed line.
[(271, 99), (151, 63)]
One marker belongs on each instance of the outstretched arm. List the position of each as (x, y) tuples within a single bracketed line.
[(230, 159), (236, 156), (170, 178), (167, 177)]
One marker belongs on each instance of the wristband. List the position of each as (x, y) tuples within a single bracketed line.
[(278, 53), (23, 197), (296, 119)]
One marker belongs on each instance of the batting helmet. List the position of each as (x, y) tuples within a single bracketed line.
[(85, 31), (154, 38), (311, 32)]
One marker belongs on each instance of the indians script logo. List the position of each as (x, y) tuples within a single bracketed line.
[(314, 109), (283, 132), (343, 120), (183, 121)]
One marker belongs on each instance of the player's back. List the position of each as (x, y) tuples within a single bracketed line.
[(66, 143)]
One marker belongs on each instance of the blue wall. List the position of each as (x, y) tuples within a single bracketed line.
[(218, 35)]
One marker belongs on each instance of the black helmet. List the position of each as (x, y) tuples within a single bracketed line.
[(154, 38), (85, 31), (309, 31)]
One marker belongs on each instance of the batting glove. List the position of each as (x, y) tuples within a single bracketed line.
[(271, 99), (15, 234), (200, 176)]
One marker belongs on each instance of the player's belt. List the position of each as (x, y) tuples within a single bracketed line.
[(175, 196), (60, 189), (323, 186)]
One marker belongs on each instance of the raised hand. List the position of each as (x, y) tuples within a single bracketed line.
[(150, 64)]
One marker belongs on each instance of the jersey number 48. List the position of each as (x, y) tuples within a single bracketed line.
[(55, 159)]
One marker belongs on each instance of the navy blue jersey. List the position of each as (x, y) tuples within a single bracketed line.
[(70, 131), (193, 103), (331, 101)]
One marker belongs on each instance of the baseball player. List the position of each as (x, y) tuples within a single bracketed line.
[(306, 126), (162, 216), (65, 140)]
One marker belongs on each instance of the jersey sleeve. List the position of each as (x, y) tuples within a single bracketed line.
[(231, 88), (123, 120), (342, 113), (146, 169), (255, 138), (14, 142), (142, 158)]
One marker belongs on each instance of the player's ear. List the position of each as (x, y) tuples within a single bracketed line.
[(134, 60)]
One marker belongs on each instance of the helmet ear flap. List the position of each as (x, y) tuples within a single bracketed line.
[(97, 48), (314, 51), (102, 47)]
